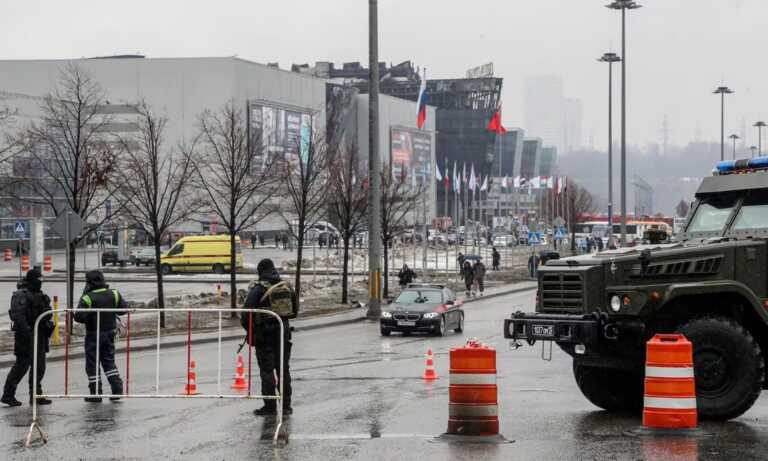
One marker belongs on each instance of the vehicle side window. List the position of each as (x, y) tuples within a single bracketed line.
[(178, 249)]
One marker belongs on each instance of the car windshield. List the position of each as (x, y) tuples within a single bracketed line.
[(712, 214), (419, 297)]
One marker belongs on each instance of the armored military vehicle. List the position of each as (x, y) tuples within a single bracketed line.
[(710, 285)]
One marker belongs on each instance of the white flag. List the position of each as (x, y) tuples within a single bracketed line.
[(517, 182), (504, 182), (438, 176), (561, 181), (536, 182), (484, 187), (472, 179)]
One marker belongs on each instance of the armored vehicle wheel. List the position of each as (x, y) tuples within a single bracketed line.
[(728, 366), (609, 388)]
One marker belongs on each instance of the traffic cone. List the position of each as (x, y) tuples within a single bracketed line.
[(7, 255), (240, 383), (191, 387), (430, 373)]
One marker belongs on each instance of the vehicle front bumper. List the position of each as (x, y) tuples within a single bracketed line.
[(419, 325), (561, 328)]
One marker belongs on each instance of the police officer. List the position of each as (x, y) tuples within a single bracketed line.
[(266, 333), (97, 295), (27, 303)]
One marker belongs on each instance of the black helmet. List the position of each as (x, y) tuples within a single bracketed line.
[(94, 279), (265, 266), (32, 278)]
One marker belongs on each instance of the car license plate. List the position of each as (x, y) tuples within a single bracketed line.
[(403, 323), (544, 330)]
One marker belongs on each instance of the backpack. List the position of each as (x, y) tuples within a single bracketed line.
[(280, 298)]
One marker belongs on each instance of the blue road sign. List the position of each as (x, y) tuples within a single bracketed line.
[(533, 238), (20, 228), (560, 233)]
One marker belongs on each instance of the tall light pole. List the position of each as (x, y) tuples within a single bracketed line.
[(722, 91), (374, 168), (759, 125), (734, 137), (753, 149), (610, 58), (623, 5)]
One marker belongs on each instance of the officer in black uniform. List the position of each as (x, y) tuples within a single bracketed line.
[(27, 303), (266, 338), (97, 295)]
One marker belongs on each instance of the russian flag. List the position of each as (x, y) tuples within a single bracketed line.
[(421, 105)]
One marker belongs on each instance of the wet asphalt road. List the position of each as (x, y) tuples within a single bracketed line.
[(360, 396)]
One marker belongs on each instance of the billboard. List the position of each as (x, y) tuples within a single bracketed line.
[(277, 131), (411, 150)]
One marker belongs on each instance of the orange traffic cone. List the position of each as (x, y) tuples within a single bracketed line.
[(430, 373), (191, 387), (240, 383)]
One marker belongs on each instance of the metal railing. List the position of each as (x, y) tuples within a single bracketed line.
[(35, 425)]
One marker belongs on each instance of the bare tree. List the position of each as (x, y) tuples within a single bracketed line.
[(305, 183), (154, 189), (348, 203), (234, 187), (682, 209), (70, 156), (579, 202), (398, 201)]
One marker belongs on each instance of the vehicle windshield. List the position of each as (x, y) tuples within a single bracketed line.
[(753, 214), (419, 297), (712, 214)]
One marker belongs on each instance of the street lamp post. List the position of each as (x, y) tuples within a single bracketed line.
[(759, 125), (753, 149), (610, 58), (623, 5), (374, 168), (722, 91), (734, 137)]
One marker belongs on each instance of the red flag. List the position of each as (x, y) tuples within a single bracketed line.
[(495, 123), (446, 181)]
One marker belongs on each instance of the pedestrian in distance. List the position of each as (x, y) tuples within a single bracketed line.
[(101, 326), (269, 292), (405, 276), (460, 261), (28, 302), (478, 272), (469, 278), (496, 257), (589, 244)]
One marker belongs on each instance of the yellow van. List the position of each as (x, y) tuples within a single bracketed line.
[(201, 254)]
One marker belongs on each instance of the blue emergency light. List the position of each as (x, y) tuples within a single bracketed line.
[(731, 166)]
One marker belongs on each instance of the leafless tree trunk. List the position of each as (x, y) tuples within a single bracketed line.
[(398, 201), (154, 190), (234, 188), (306, 185), (70, 153), (580, 202), (348, 203)]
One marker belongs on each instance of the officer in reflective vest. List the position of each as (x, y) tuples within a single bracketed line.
[(97, 295)]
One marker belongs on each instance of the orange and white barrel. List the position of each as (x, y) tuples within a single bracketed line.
[(47, 264), (670, 386), (25, 263), (473, 395), (7, 256)]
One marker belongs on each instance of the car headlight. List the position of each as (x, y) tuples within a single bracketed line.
[(430, 315), (386, 315), (615, 303)]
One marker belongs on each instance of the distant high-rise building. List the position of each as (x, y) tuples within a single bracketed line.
[(574, 116), (544, 109)]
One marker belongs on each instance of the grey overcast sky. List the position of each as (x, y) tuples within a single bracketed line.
[(679, 50)]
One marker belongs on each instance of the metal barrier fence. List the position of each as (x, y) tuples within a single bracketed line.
[(35, 425)]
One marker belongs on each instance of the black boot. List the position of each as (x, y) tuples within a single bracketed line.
[(266, 410), (116, 384), (92, 389), (10, 401)]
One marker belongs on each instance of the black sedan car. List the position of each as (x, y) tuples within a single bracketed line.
[(423, 308)]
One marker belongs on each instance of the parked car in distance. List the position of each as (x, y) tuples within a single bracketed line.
[(505, 241), (109, 256), (201, 254), (425, 308), (145, 255)]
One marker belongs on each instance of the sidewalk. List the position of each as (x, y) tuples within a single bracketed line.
[(236, 333)]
